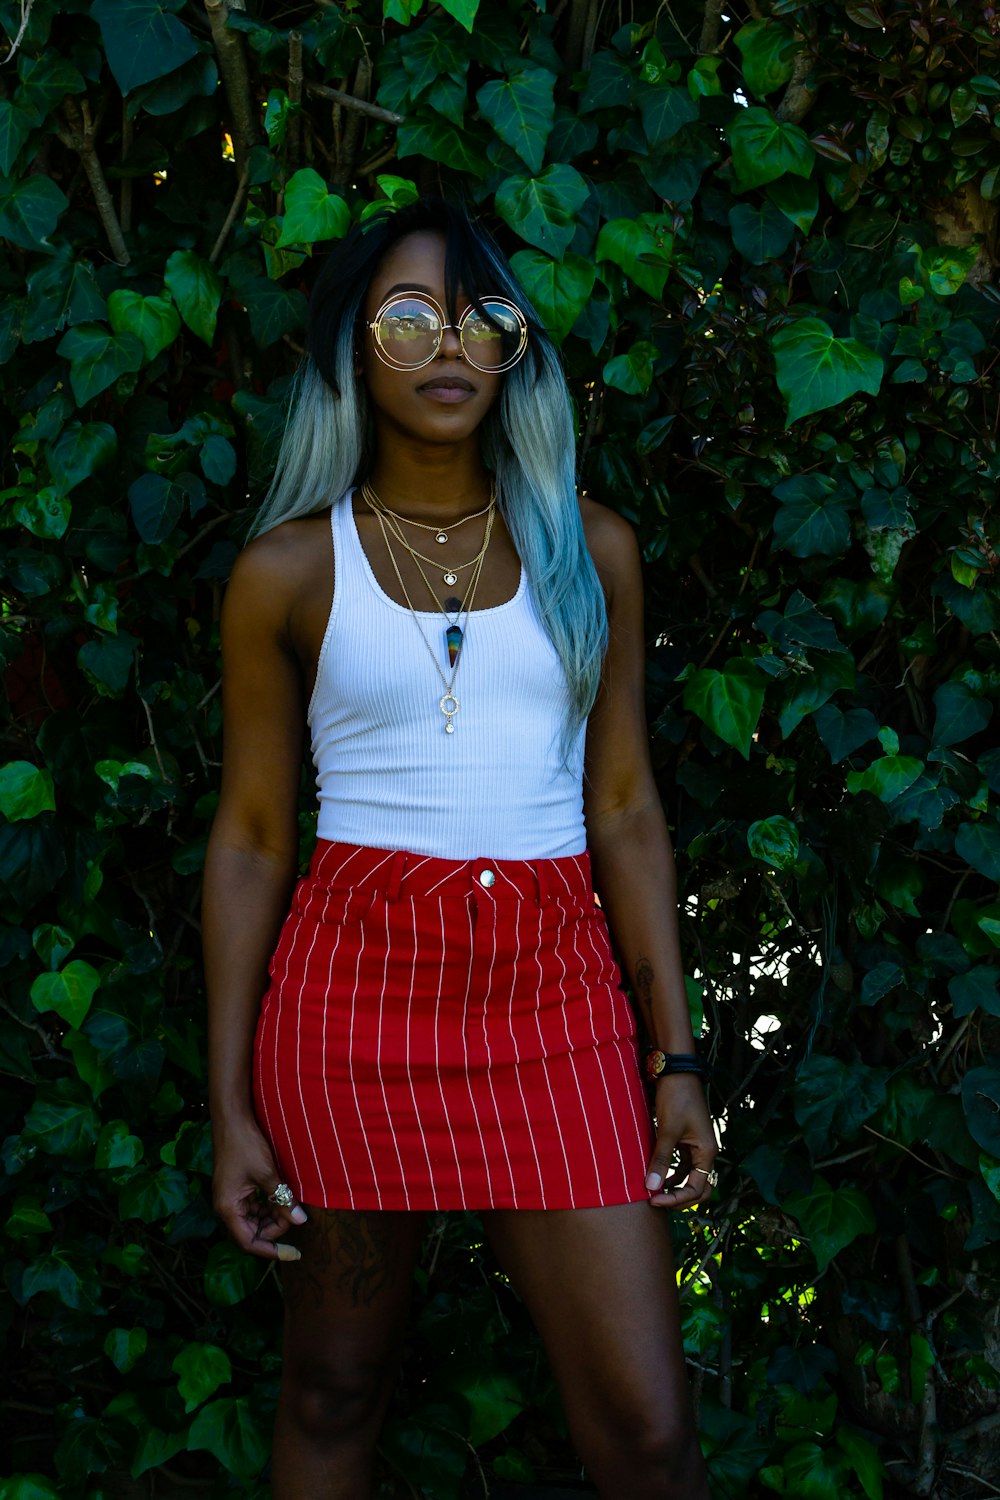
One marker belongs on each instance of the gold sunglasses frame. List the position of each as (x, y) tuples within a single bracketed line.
[(393, 364)]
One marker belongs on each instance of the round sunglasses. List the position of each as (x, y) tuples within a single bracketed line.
[(409, 326)]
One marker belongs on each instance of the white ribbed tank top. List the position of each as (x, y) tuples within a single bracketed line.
[(389, 776)]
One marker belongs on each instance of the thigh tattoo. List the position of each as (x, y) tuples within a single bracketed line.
[(358, 1252)]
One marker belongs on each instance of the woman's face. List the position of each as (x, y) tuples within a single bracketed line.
[(443, 401)]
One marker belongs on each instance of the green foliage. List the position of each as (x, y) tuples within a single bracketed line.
[(768, 257)]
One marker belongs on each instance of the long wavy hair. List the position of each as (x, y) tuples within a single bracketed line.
[(527, 436)]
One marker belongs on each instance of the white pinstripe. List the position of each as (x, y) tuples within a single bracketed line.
[(517, 1067), (350, 1069), (465, 1016), (572, 1058), (437, 1067), (409, 1075), (545, 1071), (378, 1060), (604, 1079), (629, 1086), (486, 1046)]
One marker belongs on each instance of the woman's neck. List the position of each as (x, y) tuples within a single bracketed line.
[(437, 480)]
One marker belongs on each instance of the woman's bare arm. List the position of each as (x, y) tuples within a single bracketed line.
[(633, 861), (250, 866)]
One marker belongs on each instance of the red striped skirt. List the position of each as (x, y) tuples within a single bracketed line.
[(444, 1034)]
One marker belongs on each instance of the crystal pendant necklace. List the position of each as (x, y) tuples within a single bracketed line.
[(452, 609)]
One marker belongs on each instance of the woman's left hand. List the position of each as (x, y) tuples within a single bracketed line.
[(684, 1129)]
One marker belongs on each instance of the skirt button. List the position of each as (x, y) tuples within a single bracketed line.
[(487, 878)]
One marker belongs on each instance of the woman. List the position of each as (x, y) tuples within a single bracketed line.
[(444, 1026)]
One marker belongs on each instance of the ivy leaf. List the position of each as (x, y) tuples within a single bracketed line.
[(960, 713), (833, 1099), (150, 1196), (975, 990), (763, 149), (812, 520), (816, 370), (797, 199), (202, 1369), (97, 358), (609, 83), (124, 1346), (768, 50), (68, 993), (888, 777), (217, 459), (16, 124), (46, 79), (107, 661), (438, 140), (981, 1102), (774, 841), (543, 210), (831, 1219), (25, 791), (642, 247), (78, 451), (197, 290), (230, 1275), (155, 321), (464, 11), (843, 732), (728, 701), (61, 1122), (760, 234), (979, 845), (157, 503), (230, 1430), (61, 292), (117, 1147), (312, 212), (273, 309), (665, 110), (558, 291), (30, 210), (142, 39), (522, 111), (495, 1397), (632, 372)]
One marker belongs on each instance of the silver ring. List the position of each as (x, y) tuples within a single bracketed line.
[(711, 1177), (282, 1195)]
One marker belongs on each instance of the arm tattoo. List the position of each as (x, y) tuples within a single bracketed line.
[(644, 978)]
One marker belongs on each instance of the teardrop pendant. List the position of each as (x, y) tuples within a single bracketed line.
[(453, 637)]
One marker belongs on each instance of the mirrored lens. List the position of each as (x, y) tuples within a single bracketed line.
[(409, 331), (494, 338)]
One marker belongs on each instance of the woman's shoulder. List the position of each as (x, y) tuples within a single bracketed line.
[(286, 558), (611, 543)]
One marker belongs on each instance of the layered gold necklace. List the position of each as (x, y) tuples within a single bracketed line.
[(391, 525)]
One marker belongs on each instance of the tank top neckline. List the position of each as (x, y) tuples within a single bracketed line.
[(429, 614)]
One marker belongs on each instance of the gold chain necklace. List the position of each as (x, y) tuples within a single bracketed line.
[(451, 571), (440, 533), (454, 635)]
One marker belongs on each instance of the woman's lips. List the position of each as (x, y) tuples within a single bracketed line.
[(447, 388)]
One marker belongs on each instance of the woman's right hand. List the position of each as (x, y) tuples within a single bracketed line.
[(244, 1177)]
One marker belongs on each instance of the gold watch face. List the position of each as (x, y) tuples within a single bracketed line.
[(655, 1064)]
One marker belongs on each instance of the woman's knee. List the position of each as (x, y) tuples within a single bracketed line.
[(333, 1402)]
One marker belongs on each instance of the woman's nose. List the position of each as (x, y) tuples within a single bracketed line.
[(451, 343)]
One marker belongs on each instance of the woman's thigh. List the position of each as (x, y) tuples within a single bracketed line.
[(601, 1288), (346, 1300)]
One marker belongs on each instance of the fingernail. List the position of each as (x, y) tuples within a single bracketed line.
[(287, 1252), (654, 1181), (299, 1216)]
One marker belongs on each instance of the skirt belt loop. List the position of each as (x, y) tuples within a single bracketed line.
[(396, 870)]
